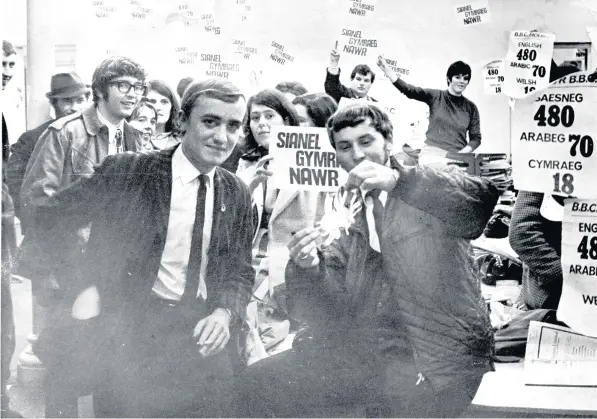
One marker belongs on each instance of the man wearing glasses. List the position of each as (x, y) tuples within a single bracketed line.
[(68, 150)]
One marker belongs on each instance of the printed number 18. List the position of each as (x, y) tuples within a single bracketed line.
[(565, 185)]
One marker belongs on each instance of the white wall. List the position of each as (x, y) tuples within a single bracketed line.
[(422, 35)]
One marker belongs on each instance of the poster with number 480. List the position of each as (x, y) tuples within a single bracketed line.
[(554, 135)]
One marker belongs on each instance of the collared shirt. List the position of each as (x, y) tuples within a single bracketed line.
[(383, 197), (172, 274), (111, 132)]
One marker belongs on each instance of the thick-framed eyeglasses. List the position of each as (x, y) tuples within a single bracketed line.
[(125, 87)]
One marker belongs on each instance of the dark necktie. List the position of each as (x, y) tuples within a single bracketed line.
[(119, 142), (194, 266), (377, 211)]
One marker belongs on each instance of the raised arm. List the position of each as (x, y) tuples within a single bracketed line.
[(408, 90), (332, 84)]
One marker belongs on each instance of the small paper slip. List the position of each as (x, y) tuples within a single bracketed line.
[(557, 356)]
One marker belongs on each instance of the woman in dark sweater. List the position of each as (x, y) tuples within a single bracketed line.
[(451, 115)]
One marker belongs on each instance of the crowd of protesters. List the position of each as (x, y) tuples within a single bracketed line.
[(175, 269)]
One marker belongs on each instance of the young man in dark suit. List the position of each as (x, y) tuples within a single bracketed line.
[(168, 266)]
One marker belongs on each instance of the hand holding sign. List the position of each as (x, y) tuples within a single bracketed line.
[(368, 175), (261, 173), (383, 66)]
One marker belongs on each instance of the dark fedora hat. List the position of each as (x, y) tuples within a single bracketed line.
[(65, 85)]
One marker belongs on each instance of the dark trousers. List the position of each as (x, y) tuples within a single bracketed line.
[(324, 379), (157, 370), (8, 335)]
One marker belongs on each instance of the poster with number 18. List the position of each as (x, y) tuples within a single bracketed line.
[(553, 139)]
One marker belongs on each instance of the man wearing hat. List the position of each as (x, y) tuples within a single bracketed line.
[(70, 149), (67, 95)]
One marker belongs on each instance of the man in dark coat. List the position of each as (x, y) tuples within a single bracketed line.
[(167, 270)]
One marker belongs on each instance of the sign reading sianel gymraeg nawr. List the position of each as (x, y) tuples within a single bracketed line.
[(553, 138), (578, 303), (304, 159)]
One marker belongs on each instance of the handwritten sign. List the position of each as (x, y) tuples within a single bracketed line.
[(304, 159), (528, 62), (553, 138), (356, 44), (474, 13), (578, 303), (493, 77), (399, 71), (104, 10), (361, 8), (217, 65), (243, 48), (278, 55)]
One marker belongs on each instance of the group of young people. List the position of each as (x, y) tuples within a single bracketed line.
[(151, 219)]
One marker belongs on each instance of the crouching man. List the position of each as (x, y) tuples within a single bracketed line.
[(397, 319)]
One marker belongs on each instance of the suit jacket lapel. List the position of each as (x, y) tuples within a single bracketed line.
[(163, 193), (131, 137)]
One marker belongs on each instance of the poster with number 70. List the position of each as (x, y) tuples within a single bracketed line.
[(554, 135)]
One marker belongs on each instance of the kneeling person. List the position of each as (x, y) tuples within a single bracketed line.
[(396, 316)]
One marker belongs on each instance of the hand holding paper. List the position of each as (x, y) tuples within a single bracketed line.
[(303, 247), (383, 66), (368, 175), (261, 173)]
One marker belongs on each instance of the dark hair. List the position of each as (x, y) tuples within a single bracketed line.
[(110, 69), (272, 99), (320, 106), (137, 111), (182, 85), (459, 67), (164, 89), (219, 89), (294, 87), (357, 113), (7, 48), (363, 70), (53, 100)]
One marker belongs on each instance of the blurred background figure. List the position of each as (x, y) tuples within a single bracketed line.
[(291, 89), (167, 104), (144, 118)]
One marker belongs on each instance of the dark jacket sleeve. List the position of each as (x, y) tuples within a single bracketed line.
[(318, 295), (527, 237), (334, 88), (462, 202), (235, 291), (474, 128), (21, 152), (413, 92)]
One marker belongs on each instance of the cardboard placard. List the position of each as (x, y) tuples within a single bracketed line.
[(493, 77), (474, 13), (553, 139), (362, 8), (528, 62), (578, 303), (304, 159)]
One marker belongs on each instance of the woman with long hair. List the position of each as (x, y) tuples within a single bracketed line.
[(279, 212), (144, 118), (167, 103)]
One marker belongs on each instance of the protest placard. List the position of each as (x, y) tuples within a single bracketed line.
[(474, 13), (528, 62), (362, 8), (304, 159), (278, 55), (493, 77), (578, 303), (553, 132), (354, 42)]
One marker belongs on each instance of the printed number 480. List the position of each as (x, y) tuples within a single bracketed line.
[(588, 249), (563, 183)]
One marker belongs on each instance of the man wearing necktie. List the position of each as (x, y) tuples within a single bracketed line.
[(168, 274), (397, 319)]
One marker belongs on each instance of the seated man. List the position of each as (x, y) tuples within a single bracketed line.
[(396, 317), (361, 80)]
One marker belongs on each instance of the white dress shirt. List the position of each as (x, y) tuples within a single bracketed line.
[(172, 274), (383, 197), (111, 133)]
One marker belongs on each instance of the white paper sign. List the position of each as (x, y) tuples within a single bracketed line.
[(304, 159), (473, 13), (553, 139), (356, 43), (528, 62), (493, 77), (578, 304), (362, 8), (278, 55)]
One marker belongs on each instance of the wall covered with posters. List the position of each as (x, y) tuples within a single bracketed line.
[(258, 43)]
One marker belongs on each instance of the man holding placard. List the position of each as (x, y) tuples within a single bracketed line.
[(396, 317), (361, 79)]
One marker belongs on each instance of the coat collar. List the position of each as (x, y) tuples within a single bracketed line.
[(93, 125)]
